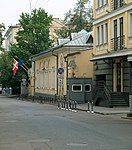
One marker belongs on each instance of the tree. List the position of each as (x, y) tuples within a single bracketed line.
[(32, 38), (2, 28), (78, 18), (6, 78), (34, 33)]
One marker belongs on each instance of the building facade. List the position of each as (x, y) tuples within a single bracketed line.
[(10, 36), (112, 52), (70, 59)]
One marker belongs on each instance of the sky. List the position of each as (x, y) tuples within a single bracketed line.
[(10, 10)]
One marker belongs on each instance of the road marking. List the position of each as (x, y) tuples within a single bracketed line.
[(11, 121), (39, 140), (78, 144)]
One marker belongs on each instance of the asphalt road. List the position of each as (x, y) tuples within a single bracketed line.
[(32, 126)]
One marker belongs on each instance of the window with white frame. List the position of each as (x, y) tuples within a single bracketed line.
[(97, 4), (106, 33), (98, 36), (101, 3), (77, 88), (102, 34)]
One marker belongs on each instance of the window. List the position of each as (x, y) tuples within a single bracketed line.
[(77, 88), (101, 3), (117, 4), (121, 33), (115, 35), (121, 3), (87, 87), (98, 36), (102, 34), (131, 24), (97, 3), (121, 26), (106, 33)]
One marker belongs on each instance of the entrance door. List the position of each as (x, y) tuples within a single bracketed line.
[(118, 77), (101, 81), (101, 77)]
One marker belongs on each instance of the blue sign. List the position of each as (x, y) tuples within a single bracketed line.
[(60, 70)]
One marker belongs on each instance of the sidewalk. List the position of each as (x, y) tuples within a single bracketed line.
[(104, 110), (96, 109)]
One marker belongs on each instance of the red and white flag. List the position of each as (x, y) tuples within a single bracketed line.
[(15, 67)]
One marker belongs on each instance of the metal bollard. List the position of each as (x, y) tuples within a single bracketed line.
[(92, 107), (88, 107), (66, 105), (72, 105), (75, 105), (69, 105), (58, 104)]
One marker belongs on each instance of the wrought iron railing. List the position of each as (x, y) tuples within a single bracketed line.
[(118, 43), (102, 88)]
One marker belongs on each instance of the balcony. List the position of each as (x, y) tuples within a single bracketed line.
[(118, 43), (117, 4)]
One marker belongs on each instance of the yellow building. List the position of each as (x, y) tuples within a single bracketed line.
[(112, 52), (56, 25), (72, 56)]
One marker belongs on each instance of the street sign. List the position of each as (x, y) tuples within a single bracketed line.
[(60, 70), (60, 76), (60, 82)]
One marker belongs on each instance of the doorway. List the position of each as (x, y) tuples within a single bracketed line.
[(100, 78)]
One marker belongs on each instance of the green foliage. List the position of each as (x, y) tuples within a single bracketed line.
[(6, 75), (2, 28), (78, 18), (32, 38), (34, 33)]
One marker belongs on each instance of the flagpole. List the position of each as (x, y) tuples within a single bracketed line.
[(24, 68), (22, 65)]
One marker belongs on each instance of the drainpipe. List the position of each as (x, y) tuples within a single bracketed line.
[(34, 77), (57, 69), (66, 60), (30, 59)]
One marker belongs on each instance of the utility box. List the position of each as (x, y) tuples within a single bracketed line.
[(79, 89)]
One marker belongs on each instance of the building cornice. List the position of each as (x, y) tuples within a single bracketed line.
[(111, 14), (112, 54)]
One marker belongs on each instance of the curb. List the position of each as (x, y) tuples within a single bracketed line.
[(110, 113), (125, 117), (104, 113)]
